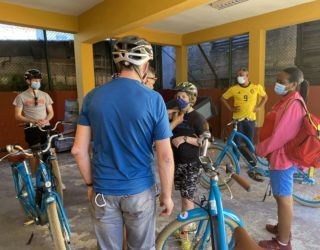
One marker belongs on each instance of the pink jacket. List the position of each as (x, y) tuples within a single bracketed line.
[(288, 121)]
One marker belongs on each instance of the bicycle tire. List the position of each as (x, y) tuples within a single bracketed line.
[(55, 227), (169, 230), (57, 177), (205, 177), (22, 191), (307, 194)]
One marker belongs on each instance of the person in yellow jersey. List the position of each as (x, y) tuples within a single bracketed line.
[(245, 103)]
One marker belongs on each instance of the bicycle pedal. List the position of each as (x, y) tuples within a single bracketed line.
[(29, 222), (256, 176)]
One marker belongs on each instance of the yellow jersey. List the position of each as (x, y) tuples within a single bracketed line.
[(245, 98)]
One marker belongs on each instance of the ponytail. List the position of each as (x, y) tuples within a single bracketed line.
[(304, 90), (296, 75)]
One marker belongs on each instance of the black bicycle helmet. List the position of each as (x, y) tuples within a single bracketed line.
[(32, 74)]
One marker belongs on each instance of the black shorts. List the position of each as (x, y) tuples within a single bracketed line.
[(186, 178), (34, 136)]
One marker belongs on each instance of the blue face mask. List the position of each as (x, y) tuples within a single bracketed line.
[(182, 104), (35, 85), (280, 89)]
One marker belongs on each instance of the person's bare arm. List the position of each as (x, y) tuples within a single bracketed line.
[(181, 139), (49, 116), (80, 151), (20, 117), (50, 113), (232, 109), (176, 120), (263, 101), (166, 170)]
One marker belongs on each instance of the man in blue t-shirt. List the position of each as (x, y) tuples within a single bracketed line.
[(124, 118)]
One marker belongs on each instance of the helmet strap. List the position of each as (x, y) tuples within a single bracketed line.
[(143, 77)]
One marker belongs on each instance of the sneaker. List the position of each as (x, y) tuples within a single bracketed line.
[(191, 227), (316, 198), (185, 244), (272, 228), (274, 245)]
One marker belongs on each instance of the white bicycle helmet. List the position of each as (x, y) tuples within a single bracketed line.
[(132, 50)]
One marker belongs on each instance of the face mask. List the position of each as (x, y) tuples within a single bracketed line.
[(241, 80), (182, 104), (280, 89), (35, 85)]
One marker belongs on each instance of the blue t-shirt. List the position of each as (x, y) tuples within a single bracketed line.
[(125, 118)]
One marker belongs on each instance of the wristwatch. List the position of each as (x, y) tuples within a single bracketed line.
[(185, 138), (89, 184)]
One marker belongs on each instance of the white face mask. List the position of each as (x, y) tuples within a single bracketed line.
[(241, 80)]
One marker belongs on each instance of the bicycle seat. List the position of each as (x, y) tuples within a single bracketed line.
[(36, 147), (18, 158), (244, 241)]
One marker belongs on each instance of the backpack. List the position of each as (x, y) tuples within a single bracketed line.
[(304, 149)]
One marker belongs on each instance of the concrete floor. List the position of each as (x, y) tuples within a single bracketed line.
[(255, 214)]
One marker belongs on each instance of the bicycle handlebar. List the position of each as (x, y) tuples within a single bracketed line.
[(33, 125), (209, 165), (235, 121), (14, 149), (241, 181)]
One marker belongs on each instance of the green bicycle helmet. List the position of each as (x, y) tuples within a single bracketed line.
[(190, 89)]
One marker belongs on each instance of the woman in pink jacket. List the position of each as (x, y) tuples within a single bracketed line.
[(286, 119)]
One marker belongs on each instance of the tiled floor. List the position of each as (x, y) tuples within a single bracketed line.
[(13, 235)]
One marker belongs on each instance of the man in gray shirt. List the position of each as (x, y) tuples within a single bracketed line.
[(34, 106)]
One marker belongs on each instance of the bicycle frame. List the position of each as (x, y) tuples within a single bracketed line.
[(216, 216), (43, 181), (232, 145)]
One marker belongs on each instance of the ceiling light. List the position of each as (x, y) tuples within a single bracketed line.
[(222, 4)]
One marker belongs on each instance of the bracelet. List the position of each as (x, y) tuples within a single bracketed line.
[(185, 138), (89, 184), (199, 141)]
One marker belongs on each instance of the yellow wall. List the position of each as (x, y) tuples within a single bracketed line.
[(84, 68), (111, 18), (257, 51), (156, 37), (281, 18), (181, 64), (23, 16)]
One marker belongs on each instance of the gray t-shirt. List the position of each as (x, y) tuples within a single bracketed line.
[(26, 101)]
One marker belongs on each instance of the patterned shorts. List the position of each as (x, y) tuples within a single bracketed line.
[(186, 179)]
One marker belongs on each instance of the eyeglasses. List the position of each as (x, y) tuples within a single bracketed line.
[(35, 101), (152, 78)]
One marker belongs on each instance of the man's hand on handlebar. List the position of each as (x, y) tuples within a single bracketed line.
[(42, 122)]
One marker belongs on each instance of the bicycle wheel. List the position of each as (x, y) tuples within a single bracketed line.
[(306, 187), (56, 176), (171, 238), (56, 227), (23, 191), (219, 162)]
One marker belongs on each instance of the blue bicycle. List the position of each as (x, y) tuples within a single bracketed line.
[(208, 227), (40, 202), (225, 156)]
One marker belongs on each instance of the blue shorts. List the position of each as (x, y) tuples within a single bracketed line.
[(282, 181)]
